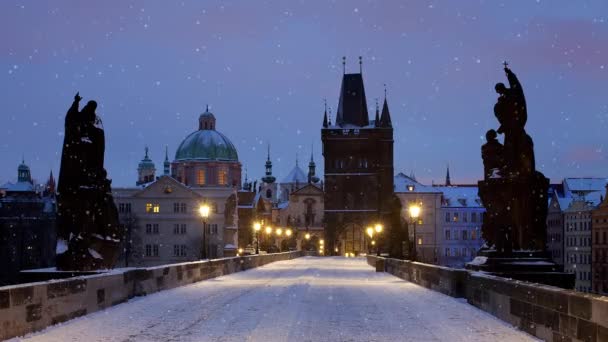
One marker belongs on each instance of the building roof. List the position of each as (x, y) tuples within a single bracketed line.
[(460, 196), (453, 196), (584, 184), (403, 183), (206, 145), (352, 106), (18, 187), (296, 175)]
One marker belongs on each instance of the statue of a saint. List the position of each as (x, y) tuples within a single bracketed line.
[(87, 225)]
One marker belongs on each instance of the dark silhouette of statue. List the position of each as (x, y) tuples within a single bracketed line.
[(513, 192), (515, 197), (88, 232)]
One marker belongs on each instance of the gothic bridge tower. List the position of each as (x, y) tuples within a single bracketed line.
[(358, 155)]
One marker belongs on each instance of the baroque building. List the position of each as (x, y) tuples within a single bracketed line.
[(358, 165), (161, 214)]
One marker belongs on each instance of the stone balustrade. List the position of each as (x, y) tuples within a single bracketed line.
[(30, 307), (547, 312)]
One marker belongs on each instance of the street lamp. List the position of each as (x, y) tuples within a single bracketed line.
[(204, 211), (288, 232), (307, 236), (279, 231), (370, 233), (268, 230), (257, 227), (378, 228), (414, 214)]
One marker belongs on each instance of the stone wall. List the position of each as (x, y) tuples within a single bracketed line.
[(547, 312), (30, 307)]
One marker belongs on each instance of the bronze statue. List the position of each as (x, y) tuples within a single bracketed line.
[(513, 192), (88, 232)]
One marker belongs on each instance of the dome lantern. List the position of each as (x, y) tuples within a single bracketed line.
[(206, 121)]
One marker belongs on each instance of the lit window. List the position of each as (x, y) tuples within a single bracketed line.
[(156, 208), (222, 176), (455, 217), (148, 207), (420, 241), (200, 177)]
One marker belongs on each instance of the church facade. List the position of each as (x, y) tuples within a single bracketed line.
[(358, 155), (160, 215)]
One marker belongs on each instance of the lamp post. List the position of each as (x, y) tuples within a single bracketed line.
[(414, 210), (279, 232), (288, 233), (257, 226), (204, 211), (378, 228), (370, 233)]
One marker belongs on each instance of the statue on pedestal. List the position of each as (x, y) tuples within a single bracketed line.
[(88, 234), (513, 192), (515, 197)]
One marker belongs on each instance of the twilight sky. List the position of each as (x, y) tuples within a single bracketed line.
[(264, 68)]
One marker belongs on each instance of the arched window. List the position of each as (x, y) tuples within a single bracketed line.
[(268, 193), (200, 177)]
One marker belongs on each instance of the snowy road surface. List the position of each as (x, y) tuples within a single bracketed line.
[(306, 299)]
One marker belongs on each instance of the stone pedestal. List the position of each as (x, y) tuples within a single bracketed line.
[(532, 266)]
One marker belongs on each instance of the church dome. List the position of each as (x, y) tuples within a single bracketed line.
[(206, 143)]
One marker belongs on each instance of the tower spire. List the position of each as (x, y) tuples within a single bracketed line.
[(377, 120), (325, 114), (268, 178), (166, 164), (343, 64), (360, 65), (312, 178), (447, 177), (385, 118)]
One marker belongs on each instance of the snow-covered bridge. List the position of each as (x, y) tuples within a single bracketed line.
[(305, 299)]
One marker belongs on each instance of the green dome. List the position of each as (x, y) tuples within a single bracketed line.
[(206, 144)]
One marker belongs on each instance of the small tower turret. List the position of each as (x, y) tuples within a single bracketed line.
[(146, 170), (312, 178), (269, 178), (23, 173), (167, 163)]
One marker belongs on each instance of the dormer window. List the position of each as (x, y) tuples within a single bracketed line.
[(410, 187)]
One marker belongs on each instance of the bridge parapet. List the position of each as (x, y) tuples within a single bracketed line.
[(30, 307), (547, 312)]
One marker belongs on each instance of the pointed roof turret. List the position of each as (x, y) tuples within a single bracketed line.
[(167, 163), (312, 178), (448, 182), (50, 185), (352, 107), (268, 178), (377, 120), (385, 118), (325, 115)]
